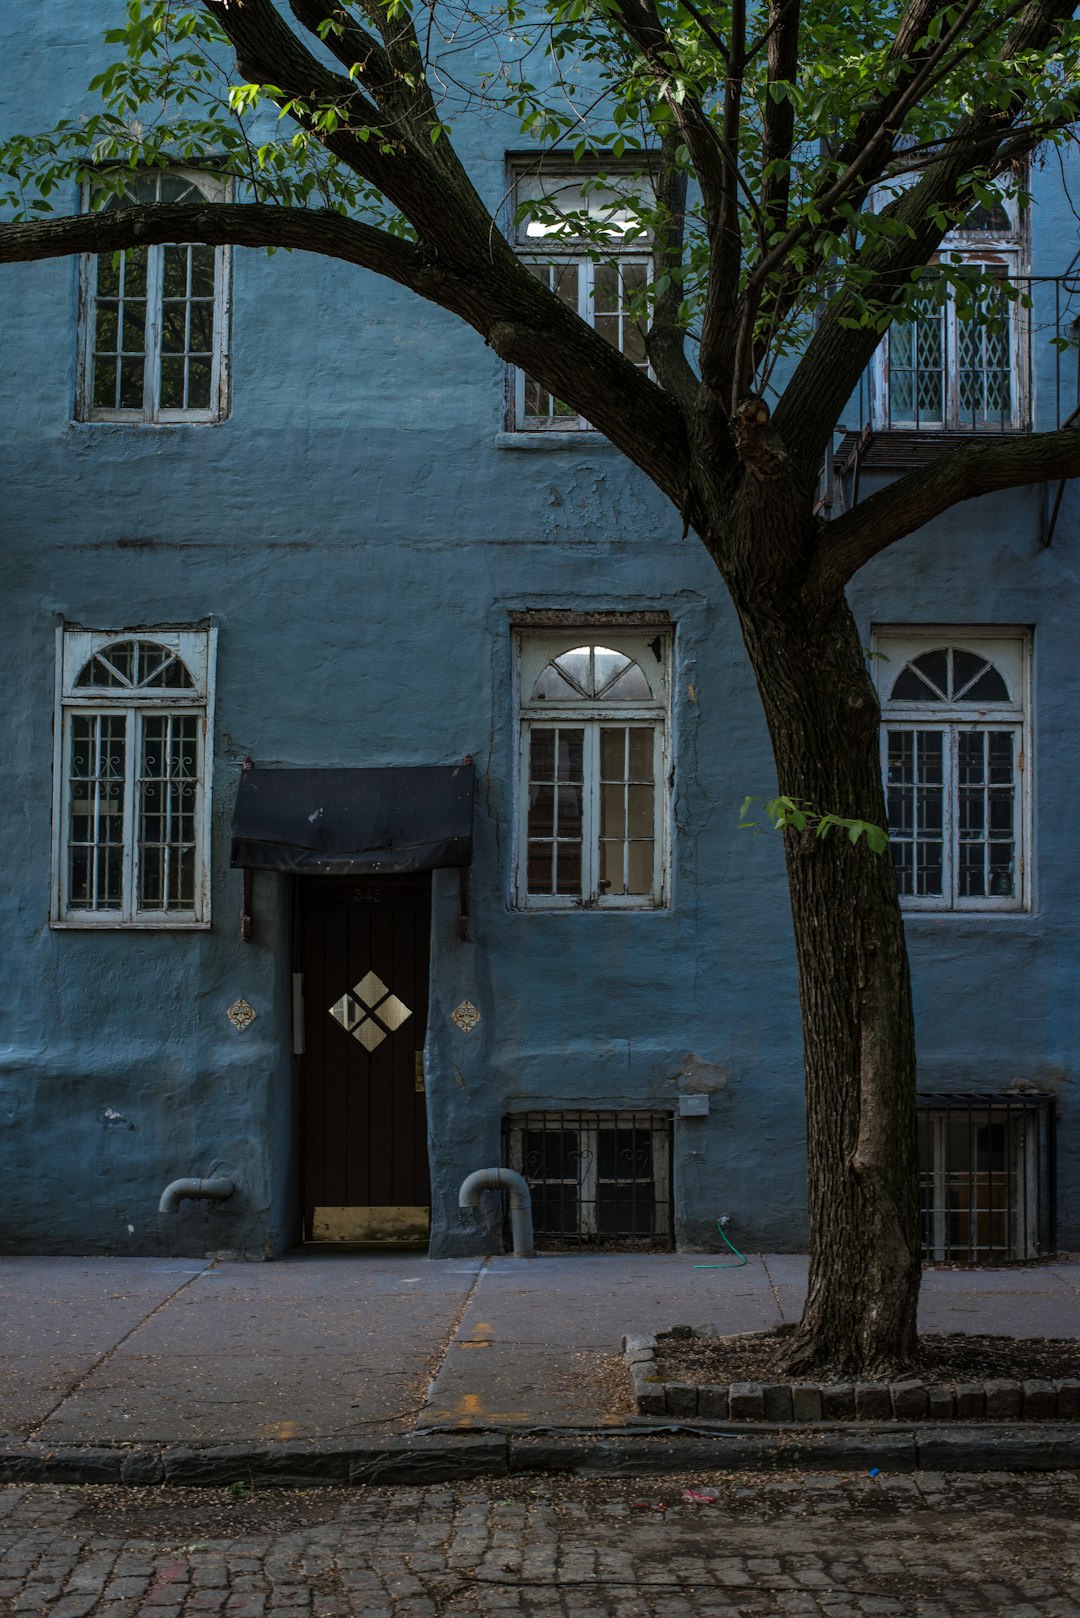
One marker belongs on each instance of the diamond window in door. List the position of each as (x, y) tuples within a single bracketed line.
[(369, 1011)]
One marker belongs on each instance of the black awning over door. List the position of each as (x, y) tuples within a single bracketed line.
[(351, 822)]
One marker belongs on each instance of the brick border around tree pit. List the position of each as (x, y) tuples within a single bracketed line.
[(996, 1399)]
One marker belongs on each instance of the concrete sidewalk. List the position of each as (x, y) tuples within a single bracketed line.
[(346, 1348)]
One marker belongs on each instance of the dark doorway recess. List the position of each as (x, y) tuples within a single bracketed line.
[(363, 955)]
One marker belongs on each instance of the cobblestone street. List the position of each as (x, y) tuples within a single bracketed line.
[(990, 1546)]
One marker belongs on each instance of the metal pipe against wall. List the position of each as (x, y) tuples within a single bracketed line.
[(205, 1190), (520, 1203)]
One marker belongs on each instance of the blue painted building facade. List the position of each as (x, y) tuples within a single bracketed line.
[(367, 554)]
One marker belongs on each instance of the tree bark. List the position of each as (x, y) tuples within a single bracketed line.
[(859, 1048)]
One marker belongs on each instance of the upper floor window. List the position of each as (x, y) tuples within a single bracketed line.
[(592, 823), (132, 778), (954, 753), (957, 362), (153, 328), (586, 238)]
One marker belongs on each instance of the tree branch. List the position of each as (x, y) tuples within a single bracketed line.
[(216, 224), (919, 496), (665, 340), (521, 320)]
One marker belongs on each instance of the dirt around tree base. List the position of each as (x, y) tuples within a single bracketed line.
[(947, 1358)]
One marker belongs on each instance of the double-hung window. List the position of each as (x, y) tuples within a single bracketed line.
[(593, 822), (132, 769), (955, 755), (956, 363), (587, 240), (153, 331)]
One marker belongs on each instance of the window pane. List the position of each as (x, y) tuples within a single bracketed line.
[(917, 368), (627, 811), (613, 811), (915, 806), (133, 264), (96, 769), (986, 811), (173, 328), (570, 747), (555, 827), (202, 271), (640, 866), (983, 344), (131, 384), (642, 750), (172, 382), (168, 783)]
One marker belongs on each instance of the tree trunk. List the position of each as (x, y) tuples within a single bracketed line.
[(859, 1050)]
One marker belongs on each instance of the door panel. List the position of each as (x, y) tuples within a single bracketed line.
[(364, 956)]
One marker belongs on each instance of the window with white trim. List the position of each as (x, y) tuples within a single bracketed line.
[(586, 238), (153, 328), (593, 818), (955, 710), (956, 363), (132, 770)]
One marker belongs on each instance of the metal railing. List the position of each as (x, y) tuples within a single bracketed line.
[(1012, 368)]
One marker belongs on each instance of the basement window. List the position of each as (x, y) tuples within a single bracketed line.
[(597, 1178), (986, 1175)]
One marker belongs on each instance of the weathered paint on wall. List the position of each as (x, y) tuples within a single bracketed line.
[(360, 534)]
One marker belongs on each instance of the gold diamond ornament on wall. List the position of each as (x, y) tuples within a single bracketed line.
[(368, 1011), (241, 1014), (466, 1016)]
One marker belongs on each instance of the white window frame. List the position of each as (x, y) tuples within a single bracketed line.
[(1009, 650), (537, 648), (995, 250), (541, 245), (215, 188), (196, 648)]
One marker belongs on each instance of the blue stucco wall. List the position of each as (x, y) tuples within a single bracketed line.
[(360, 535)]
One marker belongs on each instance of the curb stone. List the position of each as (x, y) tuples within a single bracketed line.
[(651, 1449), (997, 1399)]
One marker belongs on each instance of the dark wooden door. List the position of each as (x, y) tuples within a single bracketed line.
[(363, 1123)]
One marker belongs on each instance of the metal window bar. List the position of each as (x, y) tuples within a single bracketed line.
[(987, 1172), (597, 1178)]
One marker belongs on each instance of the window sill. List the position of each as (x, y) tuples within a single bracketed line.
[(952, 916), (63, 925), (580, 438)]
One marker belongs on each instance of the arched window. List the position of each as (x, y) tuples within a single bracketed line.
[(154, 323), (954, 755), (132, 813), (593, 822), (133, 665)]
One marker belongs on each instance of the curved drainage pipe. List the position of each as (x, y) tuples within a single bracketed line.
[(520, 1203), (206, 1190)]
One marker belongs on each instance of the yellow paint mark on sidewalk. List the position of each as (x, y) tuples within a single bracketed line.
[(279, 1429)]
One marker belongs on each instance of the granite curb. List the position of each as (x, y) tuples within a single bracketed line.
[(638, 1451), (994, 1399)]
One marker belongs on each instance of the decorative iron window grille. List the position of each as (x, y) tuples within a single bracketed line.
[(987, 1177), (596, 1177)]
